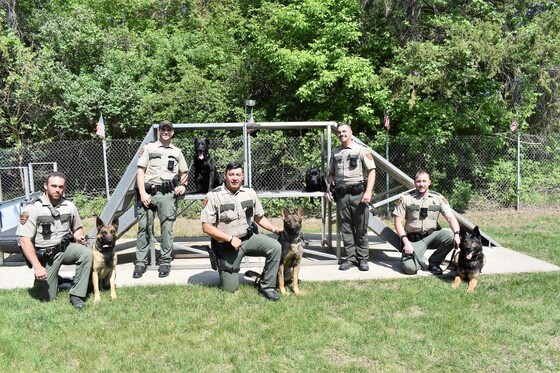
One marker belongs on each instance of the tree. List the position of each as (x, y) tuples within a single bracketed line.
[(306, 65)]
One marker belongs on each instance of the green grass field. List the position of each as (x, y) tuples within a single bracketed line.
[(418, 324)]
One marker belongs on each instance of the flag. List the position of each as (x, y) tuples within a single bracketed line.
[(514, 125), (100, 130), (386, 121)]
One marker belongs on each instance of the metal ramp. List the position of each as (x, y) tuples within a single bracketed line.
[(388, 234), (121, 202)]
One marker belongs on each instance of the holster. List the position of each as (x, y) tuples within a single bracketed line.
[(213, 255), (216, 260), (47, 254), (151, 189), (332, 189)]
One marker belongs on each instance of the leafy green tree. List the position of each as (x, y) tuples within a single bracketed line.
[(306, 63)]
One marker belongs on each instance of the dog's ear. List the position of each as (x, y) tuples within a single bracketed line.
[(300, 211), (284, 213), (194, 141), (476, 232), (207, 141), (115, 223), (99, 223)]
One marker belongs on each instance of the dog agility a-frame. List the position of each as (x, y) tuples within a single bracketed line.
[(121, 202)]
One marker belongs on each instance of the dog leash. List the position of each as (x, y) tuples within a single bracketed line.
[(455, 247)]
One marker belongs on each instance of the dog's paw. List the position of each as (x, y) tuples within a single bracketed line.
[(456, 283)]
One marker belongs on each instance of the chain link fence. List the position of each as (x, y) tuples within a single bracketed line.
[(472, 172)]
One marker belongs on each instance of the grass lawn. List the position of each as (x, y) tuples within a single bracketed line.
[(418, 324)]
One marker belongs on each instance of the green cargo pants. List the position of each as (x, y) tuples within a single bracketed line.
[(257, 245), (166, 210), (441, 241), (75, 253), (353, 220)]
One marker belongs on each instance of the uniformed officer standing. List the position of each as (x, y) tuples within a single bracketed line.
[(227, 217), (352, 169), (419, 211), (47, 227), (161, 177)]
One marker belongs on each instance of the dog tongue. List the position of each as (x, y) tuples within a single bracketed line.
[(469, 256), (200, 155)]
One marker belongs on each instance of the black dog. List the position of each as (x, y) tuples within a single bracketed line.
[(469, 260), (315, 181), (205, 174)]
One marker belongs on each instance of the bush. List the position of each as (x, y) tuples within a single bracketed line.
[(87, 206)]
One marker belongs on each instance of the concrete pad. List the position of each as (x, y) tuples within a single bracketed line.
[(319, 264)]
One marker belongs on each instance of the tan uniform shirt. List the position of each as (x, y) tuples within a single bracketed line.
[(351, 165), (157, 158), (37, 221), (227, 210), (409, 205)]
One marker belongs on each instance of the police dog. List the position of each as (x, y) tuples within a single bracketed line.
[(469, 260), (205, 175), (291, 240), (104, 257), (315, 181)]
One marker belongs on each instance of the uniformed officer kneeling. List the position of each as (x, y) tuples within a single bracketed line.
[(228, 216), (51, 234)]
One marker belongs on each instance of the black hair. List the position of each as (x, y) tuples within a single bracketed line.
[(233, 166), (55, 174)]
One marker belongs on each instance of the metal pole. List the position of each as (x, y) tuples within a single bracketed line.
[(245, 172), (246, 156), (518, 168), (386, 173), (249, 158), (106, 172)]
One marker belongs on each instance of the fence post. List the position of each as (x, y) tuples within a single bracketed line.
[(518, 168)]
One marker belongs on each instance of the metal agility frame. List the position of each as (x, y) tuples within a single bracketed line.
[(121, 204)]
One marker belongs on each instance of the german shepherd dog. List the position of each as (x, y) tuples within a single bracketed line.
[(469, 260), (205, 175), (104, 257), (291, 240)]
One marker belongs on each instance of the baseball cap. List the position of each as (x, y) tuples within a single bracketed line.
[(166, 123)]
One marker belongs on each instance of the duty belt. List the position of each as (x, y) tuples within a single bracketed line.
[(353, 189), (153, 189), (227, 245), (417, 236)]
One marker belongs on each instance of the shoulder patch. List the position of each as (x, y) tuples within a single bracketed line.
[(204, 202), (369, 155), (23, 218), (400, 201), (443, 199), (142, 152)]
